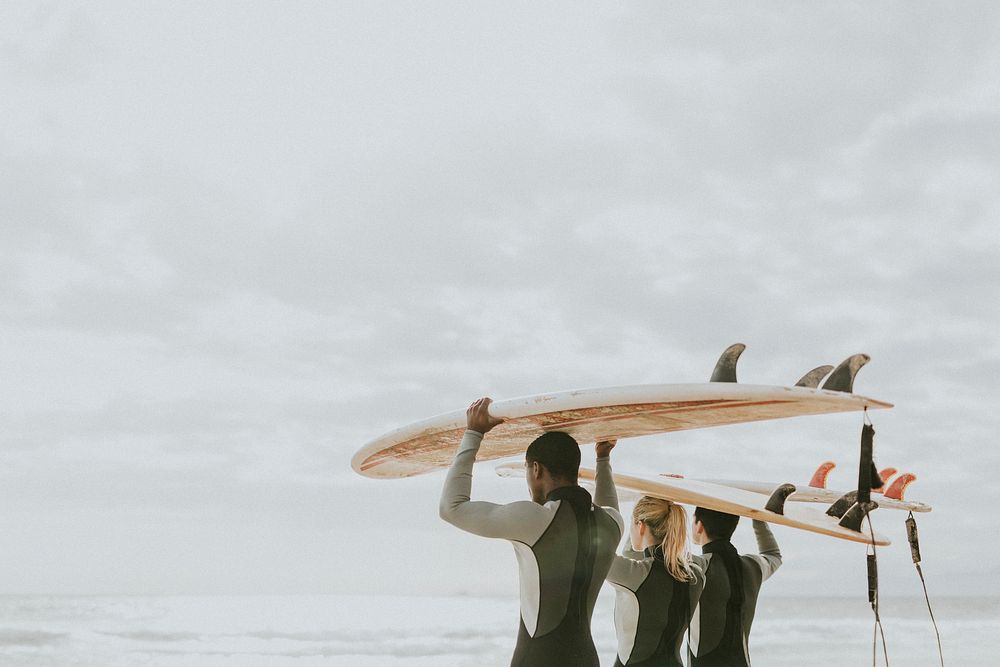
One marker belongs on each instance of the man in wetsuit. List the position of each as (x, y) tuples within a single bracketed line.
[(720, 627), (564, 543)]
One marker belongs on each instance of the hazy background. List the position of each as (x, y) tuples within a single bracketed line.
[(239, 240)]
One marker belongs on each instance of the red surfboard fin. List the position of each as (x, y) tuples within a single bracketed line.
[(898, 486), (818, 480), (885, 474)]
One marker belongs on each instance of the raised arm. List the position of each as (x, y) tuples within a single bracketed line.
[(605, 493), (770, 556), (522, 521)]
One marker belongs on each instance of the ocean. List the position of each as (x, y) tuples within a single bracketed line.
[(364, 631)]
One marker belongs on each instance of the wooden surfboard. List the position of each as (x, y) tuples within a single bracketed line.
[(735, 501), (591, 415)]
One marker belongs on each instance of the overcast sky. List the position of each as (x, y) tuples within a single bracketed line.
[(239, 240)]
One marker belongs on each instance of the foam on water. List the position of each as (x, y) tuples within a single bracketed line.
[(416, 631)]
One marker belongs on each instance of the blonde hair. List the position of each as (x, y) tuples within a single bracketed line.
[(668, 524)]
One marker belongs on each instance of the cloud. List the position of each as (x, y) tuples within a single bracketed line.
[(11, 638), (232, 253)]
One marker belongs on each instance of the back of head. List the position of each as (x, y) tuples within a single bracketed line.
[(667, 522), (558, 452), (718, 525)]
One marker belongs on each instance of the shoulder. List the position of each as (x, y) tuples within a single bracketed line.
[(615, 516), (764, 565)]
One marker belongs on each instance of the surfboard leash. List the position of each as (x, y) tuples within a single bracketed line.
[(911, 536), (873, 598), (862, 510)]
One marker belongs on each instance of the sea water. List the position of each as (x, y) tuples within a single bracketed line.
[(474, 631)]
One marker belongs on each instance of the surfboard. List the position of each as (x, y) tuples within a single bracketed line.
[(735, 501), (591, 415), (889, 496), (808, 494), (803, 494)]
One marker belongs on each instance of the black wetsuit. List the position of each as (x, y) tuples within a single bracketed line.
[(720, 628), (652, 609), (564, 549)]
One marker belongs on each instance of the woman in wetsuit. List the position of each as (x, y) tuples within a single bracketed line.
[(657, 586)]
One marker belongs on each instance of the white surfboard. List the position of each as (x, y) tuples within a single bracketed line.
[(809, 494), (803, 494), (889, 496), (736, 501), (591, 415)]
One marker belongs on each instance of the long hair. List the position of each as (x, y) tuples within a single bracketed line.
[(667, 522)]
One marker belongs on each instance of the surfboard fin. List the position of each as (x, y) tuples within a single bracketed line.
[(884, 474), (818, 480), (776, 503), (840, 507), (725, 368), (898, 486), (853, 517), (842, 377), (812, 378)]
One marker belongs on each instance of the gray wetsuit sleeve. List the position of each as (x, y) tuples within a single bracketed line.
[(521, 521), (769, 558), (629, 573), (629, 552), (605, 493)]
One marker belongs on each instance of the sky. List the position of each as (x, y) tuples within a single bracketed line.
[(240, 240)]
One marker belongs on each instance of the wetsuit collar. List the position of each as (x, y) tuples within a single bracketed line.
[(654, 552), (573, 493), (716, 546)]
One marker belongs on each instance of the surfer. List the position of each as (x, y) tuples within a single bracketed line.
[(720, 628), (656, 584), (563, 542)]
